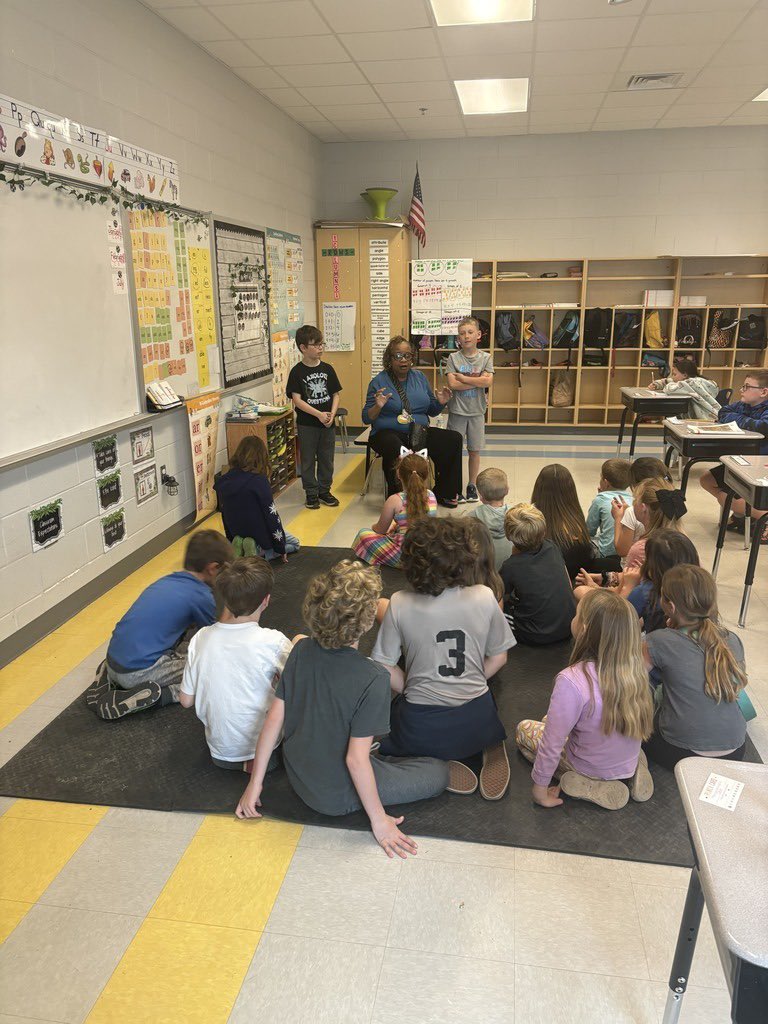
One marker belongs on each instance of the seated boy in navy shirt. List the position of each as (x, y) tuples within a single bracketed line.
[(147, 653), (751, 413)]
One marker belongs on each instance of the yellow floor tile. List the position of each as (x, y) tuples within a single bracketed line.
[(311, 526), (259, 830), (33, 852), (11, 912), (174, 972), (225, 881), (51, 810)]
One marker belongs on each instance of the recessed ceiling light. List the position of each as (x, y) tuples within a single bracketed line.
[(493, 95), (762, 97), (481, 12)]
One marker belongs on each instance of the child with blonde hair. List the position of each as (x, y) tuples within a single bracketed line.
[(657, 506), (538, 598), (492, 486), (700, 665), (382, 544), (330, 702), (600, 710)]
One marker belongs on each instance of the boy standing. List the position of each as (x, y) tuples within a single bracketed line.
[(148, 649), (492, 487), (614, 483), (233, 666), (314, 388), (470, 372)]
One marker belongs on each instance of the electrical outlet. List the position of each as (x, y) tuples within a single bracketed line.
[(162, 472)]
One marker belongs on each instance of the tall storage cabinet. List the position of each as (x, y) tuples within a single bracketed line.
[(344, 275)]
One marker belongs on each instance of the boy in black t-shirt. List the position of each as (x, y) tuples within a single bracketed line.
[(314, 388)]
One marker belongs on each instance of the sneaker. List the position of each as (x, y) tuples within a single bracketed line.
[(448, 502), (610, 795), (119, 703), (641, 786), (313, 503), (462, 779), (329, 499), (460, 500), (494, 775), (472, 494)]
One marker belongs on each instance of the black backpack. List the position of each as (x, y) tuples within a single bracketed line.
[(626, 328), (689, 330), (752, 332), (597, 326), (507, 333), (567, 333)]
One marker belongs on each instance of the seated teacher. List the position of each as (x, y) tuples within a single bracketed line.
[(397, 398)]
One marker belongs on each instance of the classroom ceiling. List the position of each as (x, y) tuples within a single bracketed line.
[(362, 70)]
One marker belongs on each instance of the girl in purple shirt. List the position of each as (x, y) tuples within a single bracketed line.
[(600, 710)]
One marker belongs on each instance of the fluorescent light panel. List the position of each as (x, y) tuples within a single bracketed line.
[(763, 96), (493, 95), (481, 12)]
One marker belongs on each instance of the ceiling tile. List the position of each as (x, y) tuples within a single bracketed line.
[(435, 108), (577, 62), (158, 5), (547, 10), (464, 40), (714, 77), (327, 134), (685, 29), (321, 74), (337, 94), (754, 26), (293, 49), (732, 91), (696, 6), (643, 60), (306, 112), (562, 116), (353, 111), (588, 33), (491, 123), (391, 45), (428, 70), (196, 23), (547, 85), (418, 92), (261, 78), (513, 65), (736, 53), (717, 111), (637, 100), (297, 17), (558, 129), (354, 16), (567, 100), (645, 118), (363, 130), (234, 53), (284, 97), (444, 133), (411, 124)]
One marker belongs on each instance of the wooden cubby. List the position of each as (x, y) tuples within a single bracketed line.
[(520, 391)]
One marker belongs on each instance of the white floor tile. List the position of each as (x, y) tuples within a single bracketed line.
[(544, 996), (699, 1006), (163, 822), (549, 862)]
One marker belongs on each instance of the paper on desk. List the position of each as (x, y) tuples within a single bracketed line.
[(721, 791), (716, 428)]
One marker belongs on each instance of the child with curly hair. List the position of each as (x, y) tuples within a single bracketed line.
[(383, 543), (330, 702)]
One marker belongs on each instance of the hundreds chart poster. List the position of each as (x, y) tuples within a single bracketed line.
[(441, 294), (175, 302)]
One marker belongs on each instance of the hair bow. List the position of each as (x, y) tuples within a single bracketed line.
[(422, 452), (672, 503)]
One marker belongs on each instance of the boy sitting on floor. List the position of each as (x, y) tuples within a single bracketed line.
[(146, 655), (233, 666)]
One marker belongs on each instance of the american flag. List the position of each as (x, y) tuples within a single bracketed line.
[(416, 216)]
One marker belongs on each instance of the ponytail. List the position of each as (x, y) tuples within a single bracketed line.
[(413, 473)]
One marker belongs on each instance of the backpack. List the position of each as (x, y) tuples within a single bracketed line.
[(652, 330), (507, 331), (598, 358), (533, 336), (688, 330), (597, 326), (567, 333), (562, 391), (626, 329), (656, 362), (721, 332), (752, 331)]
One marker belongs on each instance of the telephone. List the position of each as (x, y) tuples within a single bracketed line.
[(161, 396)]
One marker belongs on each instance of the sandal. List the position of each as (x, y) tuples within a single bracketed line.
[(494, 775), (462, 779), (610, 795)]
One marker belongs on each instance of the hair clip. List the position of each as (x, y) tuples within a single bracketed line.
[(671, 503), (422, 452)]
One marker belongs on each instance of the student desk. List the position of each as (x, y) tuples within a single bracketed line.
[(744, 482), (644, 402), (731, 850), (695, 447)]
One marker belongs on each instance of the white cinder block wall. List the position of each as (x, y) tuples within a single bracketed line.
[(116, 66), (641, 193)]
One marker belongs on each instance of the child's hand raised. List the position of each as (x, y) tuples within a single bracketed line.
[(618, 508), (249, 801), (546, 796), (391, 839)]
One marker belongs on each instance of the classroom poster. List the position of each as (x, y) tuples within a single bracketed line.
[(171, 262), (105, 454), (113, 529), (46, 523), (244, 317), (40, 139), (339, 326), (441, 295), (285, 277), (203, 414), (109, 489), (145, 483), (378, 270), (142, 445)]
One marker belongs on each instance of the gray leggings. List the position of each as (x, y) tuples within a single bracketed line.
[(168, 670), (401, 780)]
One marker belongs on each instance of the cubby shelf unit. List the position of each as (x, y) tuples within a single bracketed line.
[(520, 393)]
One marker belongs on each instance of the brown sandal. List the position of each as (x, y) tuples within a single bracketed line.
[(494, 775)]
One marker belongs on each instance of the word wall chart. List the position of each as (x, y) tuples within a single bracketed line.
[(285, 278), (175, 302), (378, 262), (241, 264), (441, 295)]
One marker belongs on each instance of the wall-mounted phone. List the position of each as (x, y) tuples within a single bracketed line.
[(160, 396)]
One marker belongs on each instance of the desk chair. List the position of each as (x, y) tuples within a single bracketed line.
[(341, 419), (723, 396)]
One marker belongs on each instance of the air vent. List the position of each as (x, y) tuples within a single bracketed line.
[(663, 80)]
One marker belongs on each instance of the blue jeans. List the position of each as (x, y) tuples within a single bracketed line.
[(292, 545)]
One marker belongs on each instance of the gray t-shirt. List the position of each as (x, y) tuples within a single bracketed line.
[(688, 717), (330, 696), (475, 401), (445, 640)]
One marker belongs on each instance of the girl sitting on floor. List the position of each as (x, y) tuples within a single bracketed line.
[(453, 637), (484, 571), (600, 710), (657, 506), (382, 544), (627, 529), (700, 665), (251, 520)]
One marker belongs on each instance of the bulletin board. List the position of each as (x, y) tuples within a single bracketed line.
[(175, 304), (241, 270)]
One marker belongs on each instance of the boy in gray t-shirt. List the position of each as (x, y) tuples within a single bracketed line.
[(470, 372)]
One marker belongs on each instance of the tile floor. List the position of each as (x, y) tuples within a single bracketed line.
[(118, 915)]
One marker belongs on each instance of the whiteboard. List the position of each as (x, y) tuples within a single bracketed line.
[(67, 356)]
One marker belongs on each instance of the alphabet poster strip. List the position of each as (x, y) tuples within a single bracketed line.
[(203, 416), (378, 262), (47, 524)]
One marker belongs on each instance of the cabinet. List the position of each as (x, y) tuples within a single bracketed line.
[(343, 270), (279, 435)]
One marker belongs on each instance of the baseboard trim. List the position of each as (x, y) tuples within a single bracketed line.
[(34, 631)]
